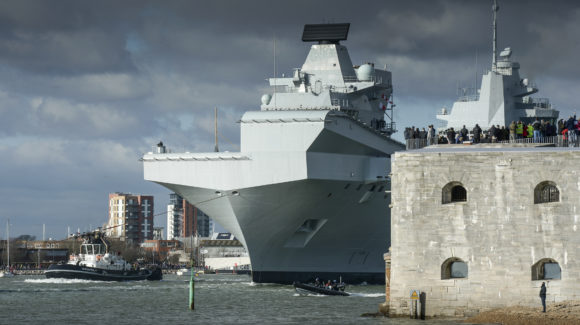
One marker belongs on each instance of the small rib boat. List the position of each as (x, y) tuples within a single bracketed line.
[(303, 288)]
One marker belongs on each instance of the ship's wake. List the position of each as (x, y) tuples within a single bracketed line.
[(60, 281), (366, 295), (352, 294)]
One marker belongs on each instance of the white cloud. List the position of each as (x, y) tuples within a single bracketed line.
[(47, 116), (101, 87)]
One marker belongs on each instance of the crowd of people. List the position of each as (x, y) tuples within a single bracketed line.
[(569, 129), (329, 285), (428, 135)]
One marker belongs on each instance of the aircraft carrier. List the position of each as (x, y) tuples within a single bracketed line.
[(308, 193)]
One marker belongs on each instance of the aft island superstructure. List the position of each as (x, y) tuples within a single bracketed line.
[(308, 193), (503, 97)]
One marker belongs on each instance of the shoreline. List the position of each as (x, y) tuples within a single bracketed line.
[(565, 312)]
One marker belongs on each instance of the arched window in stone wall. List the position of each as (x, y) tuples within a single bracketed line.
[(546, 269), (546, 192), (454, 268), (453, 192)]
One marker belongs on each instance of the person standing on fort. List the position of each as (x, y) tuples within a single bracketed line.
[(504, 133), (570, 125), (493, 133), (476, 133), (464, 134), (520, 130), (530, 132), (543, 296), (422, 134), (512, 131), (537, 127), (430, 136), (450, 136)]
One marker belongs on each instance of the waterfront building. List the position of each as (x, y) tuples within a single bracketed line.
[(160, 248), (482, 226), (205, 224), (224, 252), (158, 233), (185, 220), (130, 217), (31, 253)]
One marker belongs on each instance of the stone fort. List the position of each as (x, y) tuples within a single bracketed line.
[(479, 227)]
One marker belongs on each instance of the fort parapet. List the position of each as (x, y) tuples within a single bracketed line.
[(479, 227)]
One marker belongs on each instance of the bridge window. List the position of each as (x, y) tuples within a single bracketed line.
[(546, 269), (546, 192), (453, 192), (453, 268)]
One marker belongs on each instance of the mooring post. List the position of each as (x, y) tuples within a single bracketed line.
[(192, 290), (384, 307)]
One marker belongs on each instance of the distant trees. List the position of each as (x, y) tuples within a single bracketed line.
[(26, 238), (173, 259), (129, 252)]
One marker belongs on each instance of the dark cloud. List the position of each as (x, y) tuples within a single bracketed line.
[(87, 86), (63, 37)]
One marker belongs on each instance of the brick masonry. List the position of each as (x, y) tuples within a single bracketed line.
[(498, 232)]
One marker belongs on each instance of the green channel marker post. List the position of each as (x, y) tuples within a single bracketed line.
[(192, 290)]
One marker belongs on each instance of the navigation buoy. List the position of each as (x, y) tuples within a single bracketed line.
[(192, 290)]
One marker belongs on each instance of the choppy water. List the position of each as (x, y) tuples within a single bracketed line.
[(219, 299)]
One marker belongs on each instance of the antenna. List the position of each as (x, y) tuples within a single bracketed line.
[(215, 130), (275, 88), (495, 9), (475, 87)]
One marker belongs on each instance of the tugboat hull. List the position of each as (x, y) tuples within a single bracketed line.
[(68, 271)]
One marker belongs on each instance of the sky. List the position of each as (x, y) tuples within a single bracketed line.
[(87, 87)]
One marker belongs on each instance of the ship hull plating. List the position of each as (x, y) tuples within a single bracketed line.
[(67, 271), (298, 230)]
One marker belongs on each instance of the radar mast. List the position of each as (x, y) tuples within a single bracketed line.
[(495, 9)]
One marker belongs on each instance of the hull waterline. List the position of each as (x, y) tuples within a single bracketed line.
[(67, 271)]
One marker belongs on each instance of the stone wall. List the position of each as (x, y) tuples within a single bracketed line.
[(499, 232)]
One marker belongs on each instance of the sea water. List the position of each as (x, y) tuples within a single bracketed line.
[(219, 299)]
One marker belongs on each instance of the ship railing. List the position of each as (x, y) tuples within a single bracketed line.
[(571, 140), (389, 128), (536, 101), (532, 106), (375, 79), (316, 89), (468, 98), (353, 78), (415, 143)]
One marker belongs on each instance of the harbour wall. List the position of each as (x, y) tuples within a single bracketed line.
[(472, 232)]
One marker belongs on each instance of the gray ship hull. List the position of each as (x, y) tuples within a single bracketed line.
[(347, 238)]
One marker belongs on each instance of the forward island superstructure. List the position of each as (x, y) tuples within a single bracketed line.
[(307, 194)]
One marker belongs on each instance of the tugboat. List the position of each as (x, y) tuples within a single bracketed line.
[(95, 262)]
